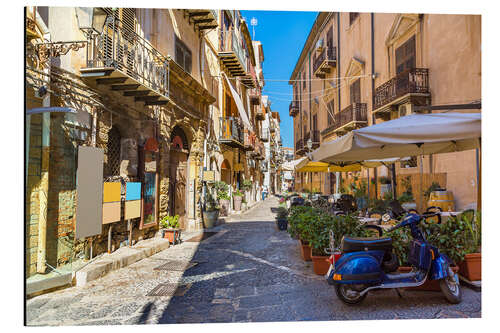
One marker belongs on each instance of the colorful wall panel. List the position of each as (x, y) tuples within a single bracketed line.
[(111, 206), (111, 212), (133, 191), (89, 192)]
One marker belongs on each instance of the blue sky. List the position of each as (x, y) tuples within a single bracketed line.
[(283, 35)]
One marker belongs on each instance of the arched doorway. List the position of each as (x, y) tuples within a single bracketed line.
[(225, 172), (179, 152)]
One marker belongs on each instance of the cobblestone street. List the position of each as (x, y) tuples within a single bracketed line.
[(247, 272)]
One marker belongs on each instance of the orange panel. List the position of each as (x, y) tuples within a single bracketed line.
[(112, 192)]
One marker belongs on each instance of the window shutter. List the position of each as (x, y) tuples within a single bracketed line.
[(355, 92), (405, 56)]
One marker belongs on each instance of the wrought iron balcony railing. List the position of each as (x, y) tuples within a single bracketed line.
[(254, 95), (299, 146), (324, 61), (408, 82), (249, 140), (231, 132), (293, 108), (231, 52), (350, 117), (121, 49)]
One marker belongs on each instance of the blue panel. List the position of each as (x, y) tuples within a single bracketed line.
[(133, 191)]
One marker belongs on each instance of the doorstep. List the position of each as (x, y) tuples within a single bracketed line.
[(122, 257)]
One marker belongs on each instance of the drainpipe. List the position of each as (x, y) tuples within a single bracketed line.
[(337, 174), (372, 18)]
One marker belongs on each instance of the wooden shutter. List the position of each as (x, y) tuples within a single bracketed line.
[(329, 38), (355, 92), (405, 56)]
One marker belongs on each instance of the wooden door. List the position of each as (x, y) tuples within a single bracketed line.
[(178, 179)]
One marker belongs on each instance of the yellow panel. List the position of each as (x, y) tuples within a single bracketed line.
[(112, 192), (132, 209), (110, 212)]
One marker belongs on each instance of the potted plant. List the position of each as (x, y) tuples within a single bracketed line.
[(246, 187), (211, 211), (360, 195), (222, 190), (170, 228), (470, 266), (385, 185), (238, 198), (406, 198), (244, 205), (302, 218), (282, 218)]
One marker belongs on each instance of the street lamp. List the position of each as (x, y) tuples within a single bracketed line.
[(90, 19)]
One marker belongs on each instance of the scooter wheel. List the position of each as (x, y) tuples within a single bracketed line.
[(450, 286), (348, 295)]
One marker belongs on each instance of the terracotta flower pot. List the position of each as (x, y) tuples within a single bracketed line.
[(305, 251), (237, 202), (470, 268), (320, 264), (173, 235), (429, 285)]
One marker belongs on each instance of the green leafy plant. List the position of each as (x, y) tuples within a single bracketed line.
[(359, 190), (237, 193), (434, 186), (377, 205), (473, 224), (400, 244), (170, 222), (246, 185), (388, 196), (222, 190), (282, 213), (405, 197), (211, 203), (384, 180)]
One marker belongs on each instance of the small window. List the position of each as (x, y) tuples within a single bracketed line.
[(113, 150), (183, 55), (411, 163), (352, 17), (405, 56)]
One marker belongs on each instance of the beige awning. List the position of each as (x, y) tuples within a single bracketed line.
[(239, 105), (416, 134)]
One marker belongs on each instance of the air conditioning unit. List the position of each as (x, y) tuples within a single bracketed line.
[(405, 109), (319, 45)]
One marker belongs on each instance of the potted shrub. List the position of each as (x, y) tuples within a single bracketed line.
[(246, 187), (211, 211), (170, 228), (237, 198), (385, 185), (360, 195), (222, 190), (470, 266), (301, 219), (282, 218)]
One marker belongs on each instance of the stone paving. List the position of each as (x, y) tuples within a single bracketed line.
[(248, 272)]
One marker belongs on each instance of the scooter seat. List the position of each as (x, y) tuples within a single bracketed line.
[(355, 244)]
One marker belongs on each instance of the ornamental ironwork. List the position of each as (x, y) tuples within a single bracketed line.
[(45, 51)]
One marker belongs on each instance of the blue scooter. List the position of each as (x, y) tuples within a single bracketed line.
[(361, 265)]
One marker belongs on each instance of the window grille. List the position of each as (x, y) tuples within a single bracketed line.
[(113, 150), (411, 163)]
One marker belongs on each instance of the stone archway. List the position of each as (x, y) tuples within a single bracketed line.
[(178, 172)]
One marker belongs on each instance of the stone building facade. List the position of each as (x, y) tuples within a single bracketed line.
[(147, 87), (360, 69)]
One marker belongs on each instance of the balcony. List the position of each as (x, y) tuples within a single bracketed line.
[(293, 108), (409, 86), (231, 132), (121, 60), (249, 140), (260, 114), (299, 147), (326, 60), (202, 18), (254, 95), (353, 116), (264, 134), (250, 78), (231, 53)]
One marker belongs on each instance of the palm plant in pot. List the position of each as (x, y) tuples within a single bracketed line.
[(470, 266), (170, 228), (282, 218), (238, 198), (211, 211)]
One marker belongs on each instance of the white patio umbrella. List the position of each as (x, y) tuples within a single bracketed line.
[(416, 134)]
